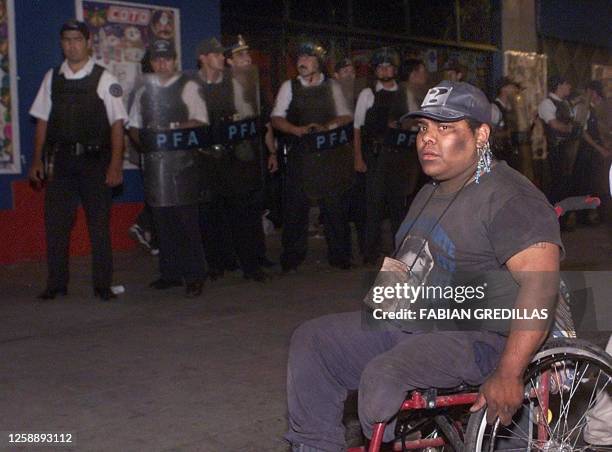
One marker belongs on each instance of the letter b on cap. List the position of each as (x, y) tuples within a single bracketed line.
[(437, 96)]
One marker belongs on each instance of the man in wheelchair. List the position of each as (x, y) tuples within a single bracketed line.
[(477, 215)]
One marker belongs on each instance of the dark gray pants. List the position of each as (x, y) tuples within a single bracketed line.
[(181, 255), (332, 355), (78, 178), (334, 213)]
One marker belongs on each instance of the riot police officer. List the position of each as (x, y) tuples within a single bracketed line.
[(382, 150), (557, 114), (79, 130), (166, 119), (233, 167), (345, 74), (311, 112), (505, 143), (238, 56)]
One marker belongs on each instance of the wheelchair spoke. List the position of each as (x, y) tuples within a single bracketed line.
[(560, 390)]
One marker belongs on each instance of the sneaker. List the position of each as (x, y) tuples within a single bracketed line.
[(138, 234), (154, 251)]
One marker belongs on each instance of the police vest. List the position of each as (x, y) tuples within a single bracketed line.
[(592, 127), (311, 103), (564, 115), (163, 105), (77, 113), (219, 100), (388, 106)]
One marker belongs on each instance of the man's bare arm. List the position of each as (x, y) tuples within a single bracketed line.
[(339, 121), (37, 172), (114, 173), (598, 147), (560, 126), (536, 270), (360, 165), (282, 125)]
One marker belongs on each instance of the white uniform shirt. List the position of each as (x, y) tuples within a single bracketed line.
[(366, 100), (285, 96), (196, 106), (547, 110), (113, 103), (497, 118)]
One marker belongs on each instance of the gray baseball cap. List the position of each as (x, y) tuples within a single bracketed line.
[(453, 101), (211, 45)]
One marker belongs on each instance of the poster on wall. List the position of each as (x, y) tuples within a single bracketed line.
[(10, 156), (121, 33)]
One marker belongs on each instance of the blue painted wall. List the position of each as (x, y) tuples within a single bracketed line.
[(587, 21), (37, 24)]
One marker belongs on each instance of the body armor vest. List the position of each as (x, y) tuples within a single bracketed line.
[(592, 127), (397, 167), (311, 103), (231, 168), (387, 106), (78, 114), (564, 115), (219, 100)]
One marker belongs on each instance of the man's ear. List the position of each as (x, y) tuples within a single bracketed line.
[(482, 134)]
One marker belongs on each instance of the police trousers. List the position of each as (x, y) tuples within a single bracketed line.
[(78, 178), (334, 214), (181, 255), (231, 227)]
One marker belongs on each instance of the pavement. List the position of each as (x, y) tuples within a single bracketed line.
[(154, 371)]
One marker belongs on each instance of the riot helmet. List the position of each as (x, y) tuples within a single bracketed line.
[(385, 55)]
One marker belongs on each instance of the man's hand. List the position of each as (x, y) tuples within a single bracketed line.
[(37, 172), (114, 174), (502, 395), (272, 163), (360, 165), (300, 131)]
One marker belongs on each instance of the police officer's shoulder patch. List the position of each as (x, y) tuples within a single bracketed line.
[(115, 90)]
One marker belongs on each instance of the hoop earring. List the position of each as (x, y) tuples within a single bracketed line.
[(484, 160)]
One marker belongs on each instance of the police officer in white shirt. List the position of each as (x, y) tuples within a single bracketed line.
[(78, 153), (391, 172), (169, 100), (558, 115), (305, 105)]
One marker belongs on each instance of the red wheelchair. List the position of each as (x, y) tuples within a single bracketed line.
[(562, 383)]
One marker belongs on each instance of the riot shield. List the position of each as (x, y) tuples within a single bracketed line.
[(322, 160), (234, 162), (170, 116)]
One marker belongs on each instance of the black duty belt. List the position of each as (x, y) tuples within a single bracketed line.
[(76, 149)]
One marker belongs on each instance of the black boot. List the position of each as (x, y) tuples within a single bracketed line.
[(50, 294)]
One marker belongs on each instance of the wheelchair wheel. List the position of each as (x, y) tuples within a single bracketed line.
[(564, 380)]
